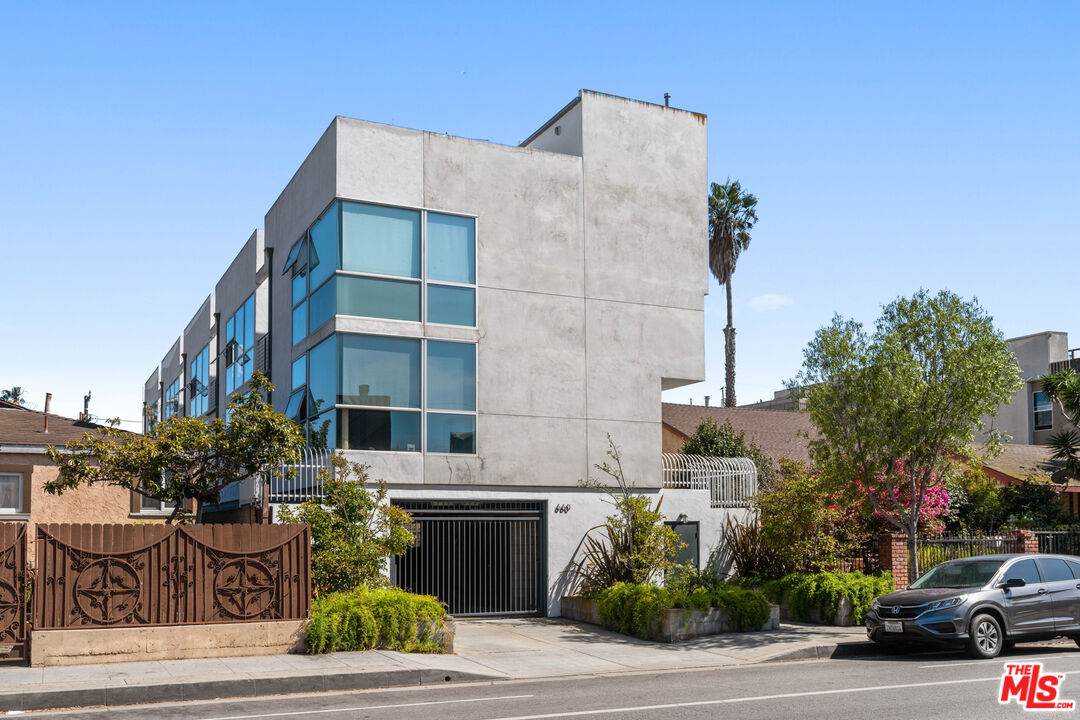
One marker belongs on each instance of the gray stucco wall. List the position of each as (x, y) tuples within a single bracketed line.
[(1034, 353)]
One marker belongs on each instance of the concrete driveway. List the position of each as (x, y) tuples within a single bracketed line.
[(546, 647)]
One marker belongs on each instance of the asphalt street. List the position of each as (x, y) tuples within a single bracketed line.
[(878, 687)]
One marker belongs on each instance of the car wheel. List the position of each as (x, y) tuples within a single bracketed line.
[(1076, 639), (985, 639)]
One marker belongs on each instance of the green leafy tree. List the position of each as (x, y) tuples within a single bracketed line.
[(715, 440), (633, 545), (354, 530), (1063, 387), (732, 214), (14, 395), (896, 409), (801, 520), (1034, 504), (976, 505), (184, 458)]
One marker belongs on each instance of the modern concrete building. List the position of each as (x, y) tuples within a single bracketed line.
[(1031, 418), (474, 321)]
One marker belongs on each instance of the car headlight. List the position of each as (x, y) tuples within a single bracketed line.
[(951, 602), (875, 605)]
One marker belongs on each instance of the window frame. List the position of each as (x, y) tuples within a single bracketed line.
[(1048, 409), (200, 365), (20, 494), (242, 355), (171, 406)]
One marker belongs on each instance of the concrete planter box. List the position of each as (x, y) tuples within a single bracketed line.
[(843, 615), (674, 626)]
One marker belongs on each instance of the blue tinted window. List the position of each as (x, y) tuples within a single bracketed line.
[(380, 240), (299, 287), (379, 430), (172, 400), (322, 305), (299, 323), (451, 248), (324, 247), (299, 371), (199, 383), (322, 431), (451, 305), (378, 297), (322, 375), (451, 433), (451, 376), (296, 408), (383, 371)]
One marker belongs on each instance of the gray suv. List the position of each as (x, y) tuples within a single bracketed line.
[(984, 603)]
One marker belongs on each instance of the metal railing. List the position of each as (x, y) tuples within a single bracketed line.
[(302, 480), (936, 550), (731, 482), (1059, 542)]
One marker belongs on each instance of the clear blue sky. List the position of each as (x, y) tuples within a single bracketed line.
[(892, 147)]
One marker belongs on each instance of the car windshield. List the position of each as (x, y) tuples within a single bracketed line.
[(962, 574)]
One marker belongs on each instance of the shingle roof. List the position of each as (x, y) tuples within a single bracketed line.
[(1022, 461), (22, 426), (777, 432)]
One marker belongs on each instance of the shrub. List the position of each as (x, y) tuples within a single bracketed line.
[(724, 440), (364, 619), (632, 608), (353, 531), (805, 592), (633, 545)]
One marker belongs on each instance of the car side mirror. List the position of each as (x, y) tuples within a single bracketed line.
[(1013, 583)]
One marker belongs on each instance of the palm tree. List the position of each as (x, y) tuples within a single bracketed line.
[(732, 214), (15, 395)]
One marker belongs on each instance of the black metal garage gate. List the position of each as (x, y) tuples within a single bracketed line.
[(480, 558)]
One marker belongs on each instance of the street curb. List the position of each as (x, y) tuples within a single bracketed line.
[(828, 652), (26, 700)]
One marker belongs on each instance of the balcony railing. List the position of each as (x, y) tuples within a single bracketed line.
[(1072, 362), (731, 482), (302, 480)]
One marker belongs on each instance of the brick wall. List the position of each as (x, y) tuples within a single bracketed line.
[(892, 553)]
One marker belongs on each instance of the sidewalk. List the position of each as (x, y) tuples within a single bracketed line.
[(485, 650)]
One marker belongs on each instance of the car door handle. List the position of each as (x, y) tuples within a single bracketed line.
[(1042, 591)]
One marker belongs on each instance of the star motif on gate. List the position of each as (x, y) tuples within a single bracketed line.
[(244, 588), (107, 591)]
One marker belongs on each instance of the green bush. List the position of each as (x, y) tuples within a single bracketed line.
[(364, 619), (805, 592), (631, 608)]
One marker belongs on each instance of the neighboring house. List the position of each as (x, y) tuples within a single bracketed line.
[(1017, 463), (24, 470), (781, 400), (1031, 418), (473, 321), (779, 434)]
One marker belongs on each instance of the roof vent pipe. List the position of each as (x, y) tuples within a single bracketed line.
[(707, 400), (48, 404), (667, 103)]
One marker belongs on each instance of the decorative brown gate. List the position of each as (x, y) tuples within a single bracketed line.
[(122, 575), (13, 587)]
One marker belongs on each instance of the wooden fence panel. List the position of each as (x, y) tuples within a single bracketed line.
[(13, 585), (127, 575)]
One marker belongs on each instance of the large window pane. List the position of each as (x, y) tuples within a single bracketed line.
[(381, 371), (322, 373), (451, 248), (322, 305), (451, 433), (299, 287), (324, 247), (299, 371), (380, 240), (11, 495), (322, 431), (379, 430), (378, 297), (451, 305), (451, 375), (299, 322)]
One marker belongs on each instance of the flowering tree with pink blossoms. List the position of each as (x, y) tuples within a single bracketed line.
[(895, 408)]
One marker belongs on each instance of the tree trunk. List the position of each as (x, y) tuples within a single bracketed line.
[(913, 570), (729, 353)]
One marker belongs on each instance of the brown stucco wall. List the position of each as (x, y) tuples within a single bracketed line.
[(672, 441), (88, 504)]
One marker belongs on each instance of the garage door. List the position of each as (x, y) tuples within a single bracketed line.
[(480, 558)]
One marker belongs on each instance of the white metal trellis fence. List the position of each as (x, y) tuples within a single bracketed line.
[(731, 482)]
